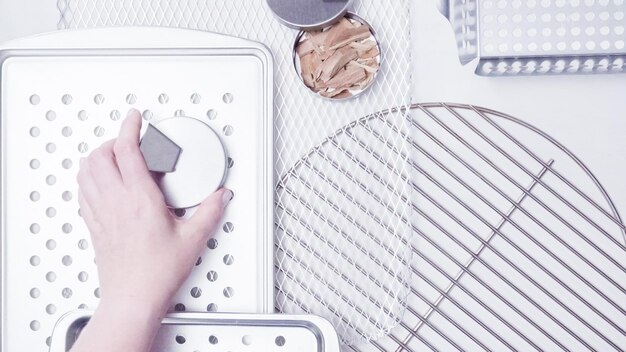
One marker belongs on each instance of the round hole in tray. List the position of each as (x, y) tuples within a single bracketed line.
[(34, 132), (180, 212), (34, 293), (212, 307), (211, 276), (147, 115), (228, 130), (228, 227), (51, 180), (228, 292), (51, 276), (51, 212), (179, 307), (163, 98), (83, 244), (51, 147), (34, 164), (66, 260), (280, 341), (66, 163), (131, 98), (67, 292), (66, 99), (195, 98), (83, 276), (34, 196), (96, 292), (34, 260), (196, 292), (67, 196), (213, 340), (212, 243), (98, 99), (51, 309), (230, 162), (51, 115), (211, 114), (229, 259), (66, 131), (198, 261), (51, 244), (35, 325), (228, 98), (83, 147), (246, 340), (35, 228), (179, 113), (34, 99), (98, 131), (180, 339), (115, 115), (82, 115)]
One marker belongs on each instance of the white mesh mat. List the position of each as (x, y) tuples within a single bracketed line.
[(302, 119)]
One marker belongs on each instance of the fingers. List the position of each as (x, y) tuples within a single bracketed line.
[(102, 161), (129, 159), (86, 182), (85, 210), (205, 220)]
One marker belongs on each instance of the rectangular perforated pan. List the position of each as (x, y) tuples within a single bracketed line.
[(539, 37), (222, 332), (64, 94)]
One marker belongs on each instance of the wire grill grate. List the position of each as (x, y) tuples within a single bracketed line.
[(510, 253)]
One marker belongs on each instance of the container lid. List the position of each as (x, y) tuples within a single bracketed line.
[(201, 166), (309, 14)]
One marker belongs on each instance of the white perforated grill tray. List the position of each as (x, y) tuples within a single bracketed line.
[(222, 332), (63, 100)]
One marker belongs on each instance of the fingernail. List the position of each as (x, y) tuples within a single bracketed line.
[(133, 111), (227, 196)]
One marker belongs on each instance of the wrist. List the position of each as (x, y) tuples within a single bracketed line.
[(121, 324), (129, 307)]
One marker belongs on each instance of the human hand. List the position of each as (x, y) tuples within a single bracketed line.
[(143, 252)]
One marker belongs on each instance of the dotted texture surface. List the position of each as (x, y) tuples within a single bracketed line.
[(54, 118)]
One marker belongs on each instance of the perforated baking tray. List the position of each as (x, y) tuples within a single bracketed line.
[(539, 37), (223, 332), (64, 94)]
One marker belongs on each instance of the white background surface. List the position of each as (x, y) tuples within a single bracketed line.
[(585, 113), (25, 17)]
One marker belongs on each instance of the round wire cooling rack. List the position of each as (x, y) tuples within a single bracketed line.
[(516, 245)]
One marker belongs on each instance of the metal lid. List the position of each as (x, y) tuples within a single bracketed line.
[(309, 14), (201, 166)]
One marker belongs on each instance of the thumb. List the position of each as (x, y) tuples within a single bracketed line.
[(205, 220)]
